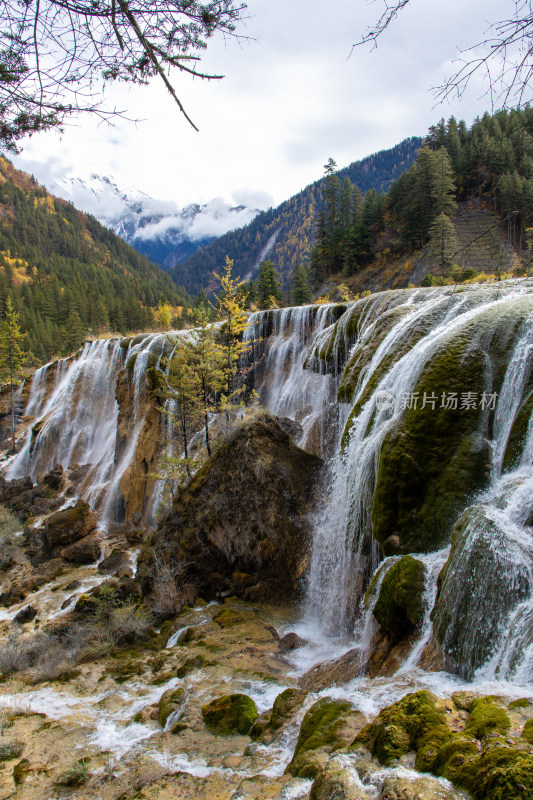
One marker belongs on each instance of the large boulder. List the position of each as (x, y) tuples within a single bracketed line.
[(481, 586), (240, 526), (59, 530)]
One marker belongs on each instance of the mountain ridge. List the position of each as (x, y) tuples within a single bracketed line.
[(289, 228)]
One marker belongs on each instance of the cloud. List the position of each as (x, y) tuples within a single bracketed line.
[(294, 94)]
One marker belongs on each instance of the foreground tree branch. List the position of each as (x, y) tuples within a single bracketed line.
[(504, 57), (56, 56)]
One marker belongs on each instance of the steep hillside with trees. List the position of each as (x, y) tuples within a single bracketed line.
[(67, 275), (286, 234), (487, 168)]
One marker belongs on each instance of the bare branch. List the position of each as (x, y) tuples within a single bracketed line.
[(56, 56), (504, 57)]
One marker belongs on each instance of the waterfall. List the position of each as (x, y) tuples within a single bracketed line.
[(77, 419), (282, 340), (370, 385)]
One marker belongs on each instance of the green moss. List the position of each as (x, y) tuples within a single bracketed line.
[(190, 665), (319, 730), (414, 723), (434, 458), (285, 706), (453, 755), (485, 718), (168, 703), (517, 436), (399, 607), (499, 773), (234, 713), (522, 702), (527, 732), (230, 617), (464, 700), (156, 380)]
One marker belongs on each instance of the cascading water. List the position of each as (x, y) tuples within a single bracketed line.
[(344, 552), (282, 341), (76, 419), (390, 343)]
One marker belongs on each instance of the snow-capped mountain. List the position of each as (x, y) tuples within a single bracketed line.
[(158, 229)]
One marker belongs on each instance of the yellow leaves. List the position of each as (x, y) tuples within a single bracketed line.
[(164, 315), (323, 300), (46, 202)]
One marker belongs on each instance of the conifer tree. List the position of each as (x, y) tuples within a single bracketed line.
[(301, 288), (268, 285), (442, 187), (12, 355), (442, 242)]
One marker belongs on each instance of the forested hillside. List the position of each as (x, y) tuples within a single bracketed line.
[(458, 172), (67, 275), (286, 234)]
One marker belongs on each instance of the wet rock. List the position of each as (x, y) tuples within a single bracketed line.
[(234, 713), (86, 551), (414, 723), (290, 426), (117, 563), (422, 788), (339, 782), (334, 673), (15, 594), (286, 706), (20, 771), (25, 615), (244, 512), (327, 726), (25, 499), (487, 574), (9, 490), (169, 702), (291, 641), (55, 479), (399, 607), (60, 530)]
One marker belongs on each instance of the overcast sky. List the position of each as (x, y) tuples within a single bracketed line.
[(294, 95)]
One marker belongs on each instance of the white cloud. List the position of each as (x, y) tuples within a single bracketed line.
[(293, 95)]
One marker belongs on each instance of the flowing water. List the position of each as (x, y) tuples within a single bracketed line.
[(353, 378)]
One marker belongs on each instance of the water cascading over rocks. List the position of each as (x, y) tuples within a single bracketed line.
[(444, 460)]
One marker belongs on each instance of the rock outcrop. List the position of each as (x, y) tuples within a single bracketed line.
[(239, 527)]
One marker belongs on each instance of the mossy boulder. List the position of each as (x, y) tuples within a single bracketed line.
[(229, 617), (169, 702), (337, 782), (500, 772), (486, 717), (487, 574), (286, 705), (234, 713), (244, 513), (399, 607), (190, 665), (327, 726), (414, 723)]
